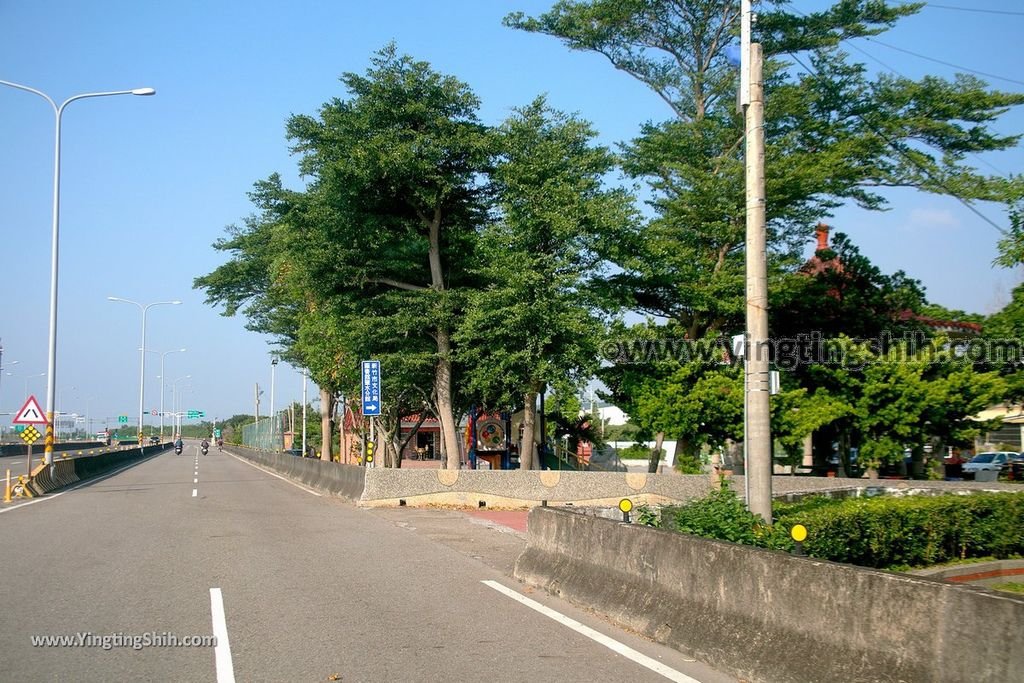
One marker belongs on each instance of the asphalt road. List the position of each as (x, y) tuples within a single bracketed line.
[(311, 588)]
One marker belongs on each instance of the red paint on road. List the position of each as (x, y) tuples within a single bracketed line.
[(513, 519)]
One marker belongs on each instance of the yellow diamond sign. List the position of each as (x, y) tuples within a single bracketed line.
[(30, 435)]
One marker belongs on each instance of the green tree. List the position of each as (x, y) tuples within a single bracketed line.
[(535, 322)]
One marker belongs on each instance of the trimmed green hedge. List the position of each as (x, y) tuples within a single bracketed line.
[(882, 532)]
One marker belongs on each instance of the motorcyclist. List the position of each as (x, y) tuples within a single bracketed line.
[(220, 444), (205, 445), (178, 445)]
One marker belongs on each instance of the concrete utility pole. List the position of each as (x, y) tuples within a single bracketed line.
[(758, 428)]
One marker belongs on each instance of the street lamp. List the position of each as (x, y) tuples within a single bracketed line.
[(273, 415), (60, 404), (58, 112), (142, 354), (13, 362), (175, 398), (163, 355), (26, 378)]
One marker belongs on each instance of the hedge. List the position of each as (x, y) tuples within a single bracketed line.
[(882, 532)]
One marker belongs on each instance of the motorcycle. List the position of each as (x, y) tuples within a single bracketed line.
[(205, 449), (177, 450)]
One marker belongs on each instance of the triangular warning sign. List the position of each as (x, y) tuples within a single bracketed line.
[(30, 413)]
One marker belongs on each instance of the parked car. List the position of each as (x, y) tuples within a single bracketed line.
[(991, 461)]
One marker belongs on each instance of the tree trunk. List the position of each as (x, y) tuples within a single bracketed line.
[(326, 423), (528, 450), (443, 386), (655, 458), (408, 437)]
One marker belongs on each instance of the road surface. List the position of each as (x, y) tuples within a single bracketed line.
[(298, 587)]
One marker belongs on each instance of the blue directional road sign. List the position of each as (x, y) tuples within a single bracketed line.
[(371, 388)]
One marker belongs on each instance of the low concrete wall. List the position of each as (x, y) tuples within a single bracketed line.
[(340, 480), (766, 616), (525, 488)]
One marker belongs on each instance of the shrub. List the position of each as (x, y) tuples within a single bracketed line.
[(720, 514), (638, 451), (882, 532)]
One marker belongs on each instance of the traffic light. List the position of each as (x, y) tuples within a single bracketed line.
[(368, 449)]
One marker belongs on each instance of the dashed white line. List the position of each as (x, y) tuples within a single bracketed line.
[(196, 480), (195, 492), (610, 643), (222, 651)]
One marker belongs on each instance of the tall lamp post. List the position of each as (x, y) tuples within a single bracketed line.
[(273, 415), (60, 405), (175, 399), (142, 354), (51, 367), (13, 362), (163, 355)]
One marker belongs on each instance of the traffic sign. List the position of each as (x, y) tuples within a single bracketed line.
[(216, 433), (122, 419), (30, 435), (154, 412), (371, 388), (30, 413)]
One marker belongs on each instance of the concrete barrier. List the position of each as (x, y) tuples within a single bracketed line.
[(767, 616), (47, 478), (346, 481), (527, 488)]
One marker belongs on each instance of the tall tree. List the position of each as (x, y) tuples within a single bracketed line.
[(535, 323), (396, 174)]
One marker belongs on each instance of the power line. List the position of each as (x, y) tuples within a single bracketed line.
[(939, 61), (975, 9), (921, 167), (976, 157)]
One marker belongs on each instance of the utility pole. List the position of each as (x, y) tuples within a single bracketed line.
[(758, 428), (304, 400)]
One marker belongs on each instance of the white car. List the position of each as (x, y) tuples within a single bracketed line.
[(992, 461)]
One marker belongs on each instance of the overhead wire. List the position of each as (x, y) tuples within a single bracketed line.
[(974, 9), (944, 63), (921, 167)]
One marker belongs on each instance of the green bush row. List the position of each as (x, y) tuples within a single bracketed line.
[(882, 532)]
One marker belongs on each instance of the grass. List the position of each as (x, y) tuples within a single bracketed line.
[(1009, 587)]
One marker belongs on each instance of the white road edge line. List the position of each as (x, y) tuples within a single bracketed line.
[(275, 474), (222, 651), (610, 643), (51, 496), (195, 492)]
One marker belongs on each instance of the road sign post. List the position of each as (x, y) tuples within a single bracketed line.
[(371, 388)]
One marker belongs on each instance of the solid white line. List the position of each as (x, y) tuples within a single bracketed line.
[(222, 651), (275, 474), (51, 496), (610, 643), (195, 492)]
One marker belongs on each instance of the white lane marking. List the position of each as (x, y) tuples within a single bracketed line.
[(195, 492), (222, 651), (610, 643), (275, 474), (51, 496), (196, 480)]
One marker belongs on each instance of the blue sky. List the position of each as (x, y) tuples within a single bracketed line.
[(150, 183)]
